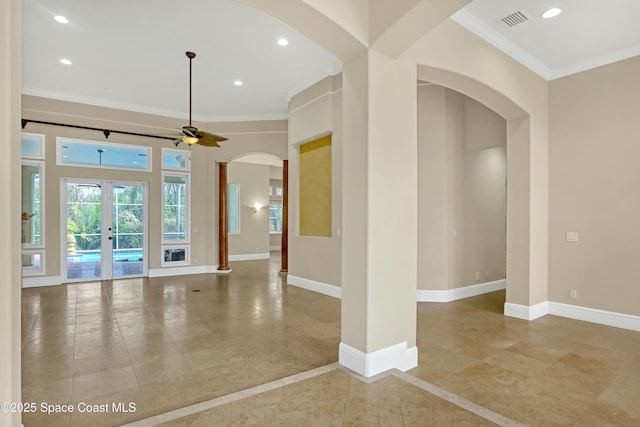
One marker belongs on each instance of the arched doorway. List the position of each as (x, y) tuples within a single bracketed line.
[(253, 198)]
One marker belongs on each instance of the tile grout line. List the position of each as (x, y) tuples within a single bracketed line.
[(461, 402), (232, 397), (263, 388)]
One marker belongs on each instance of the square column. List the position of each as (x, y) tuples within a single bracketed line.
[(10, 261), (379, 257)]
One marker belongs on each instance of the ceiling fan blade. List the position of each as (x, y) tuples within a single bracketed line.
[(208, 139)]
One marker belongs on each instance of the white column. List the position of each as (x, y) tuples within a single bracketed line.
[(10, 286)]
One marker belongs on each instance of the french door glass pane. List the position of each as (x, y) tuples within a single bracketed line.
[(84, 236), (127, 230)]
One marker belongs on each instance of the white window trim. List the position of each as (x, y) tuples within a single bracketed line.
[(60, 140), (187, 256), (40, 163), (239, 210), (187, 227), (275, 202), (176, 151), (39, 136), (43, 263)]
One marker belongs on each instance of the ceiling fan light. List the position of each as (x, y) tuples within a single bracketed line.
[(189, 140)]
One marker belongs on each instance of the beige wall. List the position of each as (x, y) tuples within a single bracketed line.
[(244, 137), (10, 86), (594, 176), (313, 113), (254, 226), (461, 191)]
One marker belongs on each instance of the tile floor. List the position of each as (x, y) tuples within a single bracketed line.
[(168, 343)]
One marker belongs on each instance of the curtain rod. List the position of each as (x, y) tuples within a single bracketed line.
[(106, 132)]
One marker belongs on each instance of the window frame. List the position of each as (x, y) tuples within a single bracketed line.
[(277, 203), (43, 262), (187, 256), (41, 164), (187, 203), (177, 152), (238, 210), (39, 136), (60, 140)]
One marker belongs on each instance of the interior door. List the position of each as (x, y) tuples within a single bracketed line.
[(106, 226)]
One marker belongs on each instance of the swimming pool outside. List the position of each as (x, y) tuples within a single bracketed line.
[(119, 255)]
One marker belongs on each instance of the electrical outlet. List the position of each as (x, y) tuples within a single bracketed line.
[(486, 274), (572, 236), (477, 275), (573, 294)]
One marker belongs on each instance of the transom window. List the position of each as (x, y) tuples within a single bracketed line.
[(75, 152)]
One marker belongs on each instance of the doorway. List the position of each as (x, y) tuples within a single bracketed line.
[(106, 227)]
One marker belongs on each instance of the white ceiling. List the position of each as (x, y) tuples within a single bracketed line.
[(587, 34), (130, 54)]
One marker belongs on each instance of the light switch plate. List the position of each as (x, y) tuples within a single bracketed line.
[(572, 236)]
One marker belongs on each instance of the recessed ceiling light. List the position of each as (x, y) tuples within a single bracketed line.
[(65, 61), (61, 19), (283, 42), (238, 83), (550, 13)]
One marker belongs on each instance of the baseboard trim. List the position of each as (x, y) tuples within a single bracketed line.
[(397, 356), (180, 271), (36, 282), (312, 285), (460, 293), (526, 312), (576, 312), (249, 257), (593, 315)]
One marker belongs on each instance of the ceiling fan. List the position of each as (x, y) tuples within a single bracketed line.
[(190, 134)]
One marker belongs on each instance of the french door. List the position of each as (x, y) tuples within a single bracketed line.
[(105, 224)]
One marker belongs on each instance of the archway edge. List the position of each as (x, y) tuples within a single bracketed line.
[(472, 88), (255, 153)]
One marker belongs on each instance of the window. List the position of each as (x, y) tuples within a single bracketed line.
[(275, 217), (32, 215), (32, 145), (32, 204), (74, 152), (175, 255), (233, 208), (175, 206), (33, 263), (176, 159)]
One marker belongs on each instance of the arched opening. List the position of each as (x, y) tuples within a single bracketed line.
[(461, 196), (517, 173), (256, 208)]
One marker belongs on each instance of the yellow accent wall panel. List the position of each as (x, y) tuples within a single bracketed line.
[(315, 188)]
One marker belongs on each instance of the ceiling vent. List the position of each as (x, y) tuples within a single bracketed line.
[(515, 18)]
